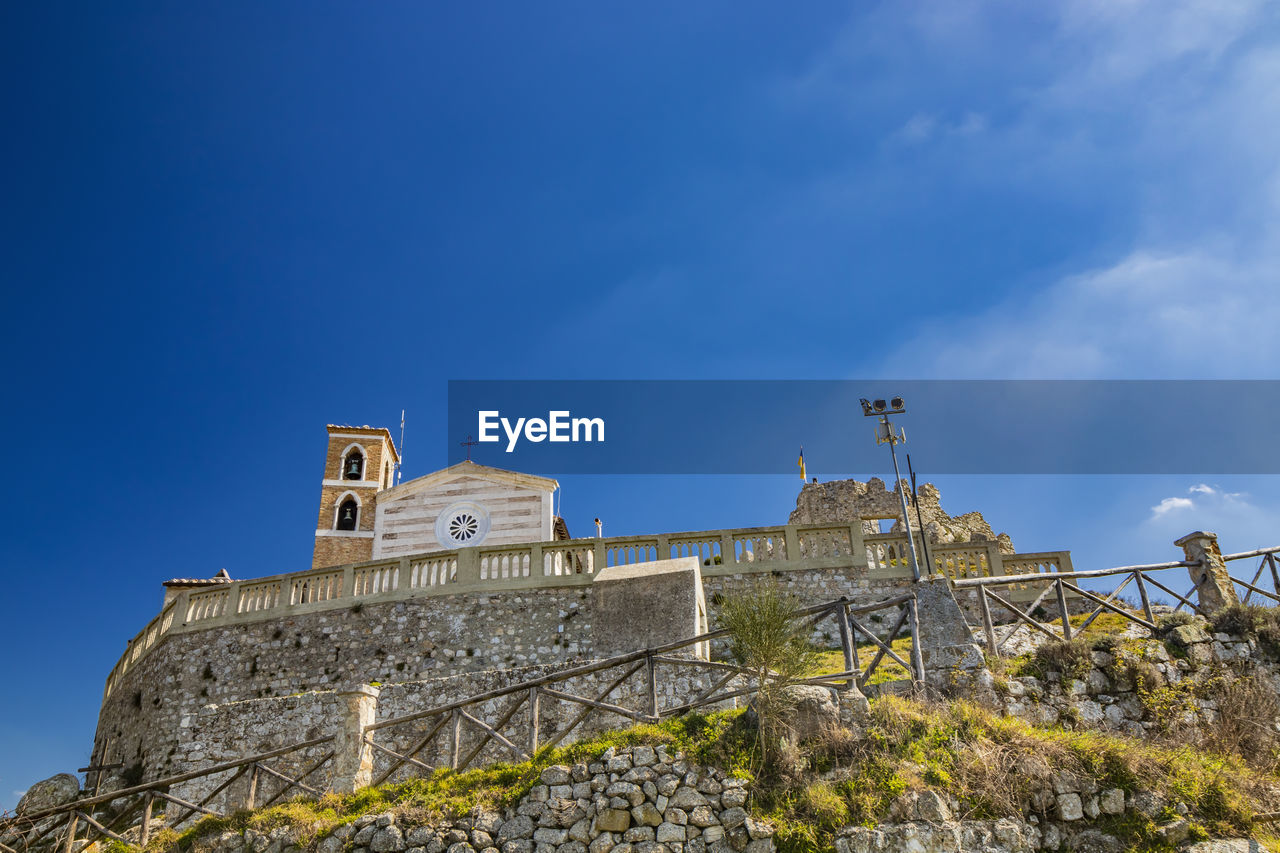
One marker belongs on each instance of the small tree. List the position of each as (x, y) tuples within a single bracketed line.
[(774, 648)]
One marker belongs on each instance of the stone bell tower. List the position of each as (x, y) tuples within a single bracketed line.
[(360, 463)]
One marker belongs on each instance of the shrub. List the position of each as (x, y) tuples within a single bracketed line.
[(824, 805), (1166, 623), (1245, 723), (775, 649), (1240, 620), (1109, 643), (1072, 658), (1250, 620)]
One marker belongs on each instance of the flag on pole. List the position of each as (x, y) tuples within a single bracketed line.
[(800, 462)]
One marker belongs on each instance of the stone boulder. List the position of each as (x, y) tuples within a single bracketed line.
[(814, 709), (50, 793)]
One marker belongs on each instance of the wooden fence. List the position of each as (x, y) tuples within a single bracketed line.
[(1060, 588)]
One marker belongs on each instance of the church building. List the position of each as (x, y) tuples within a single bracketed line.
[(365, 515)]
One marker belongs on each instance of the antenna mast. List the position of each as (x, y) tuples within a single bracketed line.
[(401, 462)]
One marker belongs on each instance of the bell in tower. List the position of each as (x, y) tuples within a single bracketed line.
[(355, 466), (347, 515)]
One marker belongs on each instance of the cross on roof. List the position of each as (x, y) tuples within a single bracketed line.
[(468, 444)]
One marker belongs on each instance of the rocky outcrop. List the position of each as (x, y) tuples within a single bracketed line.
[(50, 793), (844, 501)]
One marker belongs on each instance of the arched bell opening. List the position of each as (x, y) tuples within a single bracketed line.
[(353, 465), (348, 514)]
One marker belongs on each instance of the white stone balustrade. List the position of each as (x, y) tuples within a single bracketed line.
[(785, 548)]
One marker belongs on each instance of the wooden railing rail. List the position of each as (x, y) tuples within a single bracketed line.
[(1063, 585)]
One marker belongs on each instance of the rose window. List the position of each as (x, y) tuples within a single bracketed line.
[(462, 525)]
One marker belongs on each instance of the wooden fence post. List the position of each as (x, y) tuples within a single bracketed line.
[(535, 702), (455, 748), (1062, 608), (68, 846), (987, 627), (251, 798), (653, 686), (917, 656), (1142, 593), (146, 819), (841, 614)]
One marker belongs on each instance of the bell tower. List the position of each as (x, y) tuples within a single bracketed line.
[(360, 463)]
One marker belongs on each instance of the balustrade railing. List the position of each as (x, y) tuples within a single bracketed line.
[(570, 563)]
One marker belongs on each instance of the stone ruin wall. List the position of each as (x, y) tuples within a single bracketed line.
[(845, 501)]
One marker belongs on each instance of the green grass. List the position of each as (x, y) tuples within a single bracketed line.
[(888, 669)]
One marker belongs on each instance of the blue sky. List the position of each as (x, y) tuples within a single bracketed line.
[(225, 225)]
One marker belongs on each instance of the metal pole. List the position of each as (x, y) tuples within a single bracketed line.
[(902, 498), (924, 540)]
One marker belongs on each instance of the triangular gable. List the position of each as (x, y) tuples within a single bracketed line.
[(469, 469)]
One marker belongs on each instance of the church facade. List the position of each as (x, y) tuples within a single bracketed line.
[(365, 515)]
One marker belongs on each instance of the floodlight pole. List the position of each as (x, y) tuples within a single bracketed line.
[(888, 435)]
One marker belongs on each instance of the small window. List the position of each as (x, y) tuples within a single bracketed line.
[(353, 466), (348, 514)]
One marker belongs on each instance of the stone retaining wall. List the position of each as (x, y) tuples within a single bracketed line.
[(144, 718), (224, 733), (633, 800), (1137, 687)]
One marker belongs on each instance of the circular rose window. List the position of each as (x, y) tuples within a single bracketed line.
[(462, 524)]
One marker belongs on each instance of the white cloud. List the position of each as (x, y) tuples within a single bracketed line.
[(922, 127), (917, 129), (1188, 315), (1170, 505), (1209, 502)]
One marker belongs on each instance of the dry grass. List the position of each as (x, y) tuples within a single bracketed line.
[(1245, 723), (996, 766)]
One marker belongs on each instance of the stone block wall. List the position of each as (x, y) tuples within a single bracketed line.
[(640, 799), (140, 723), (227, 732)]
